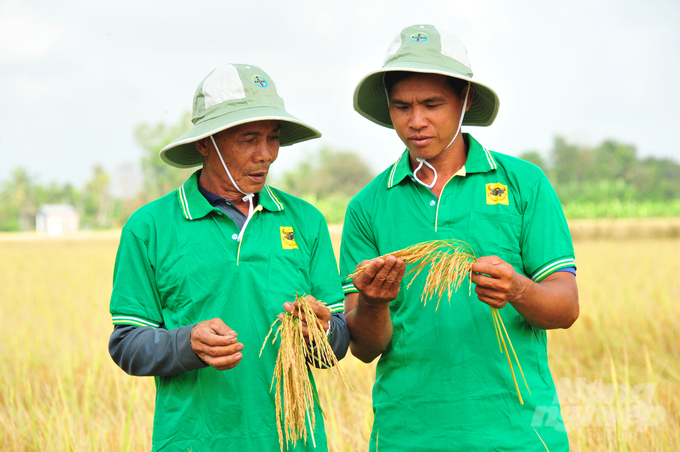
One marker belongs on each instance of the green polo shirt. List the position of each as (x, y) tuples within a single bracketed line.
[(442, 383), (179, 263)]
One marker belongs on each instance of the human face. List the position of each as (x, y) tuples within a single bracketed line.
[(425, 112), (248, 150)]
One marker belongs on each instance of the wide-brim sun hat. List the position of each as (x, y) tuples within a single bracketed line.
[(424, 49), (231, 95)]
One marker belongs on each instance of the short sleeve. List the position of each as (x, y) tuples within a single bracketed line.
[(325, 280), (134, 299), (546, 241), (357, 245)]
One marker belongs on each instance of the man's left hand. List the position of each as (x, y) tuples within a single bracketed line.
[(497, 281), (323, 314)]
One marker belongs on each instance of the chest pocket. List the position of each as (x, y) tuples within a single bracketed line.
[(288, 274), (499, 234)]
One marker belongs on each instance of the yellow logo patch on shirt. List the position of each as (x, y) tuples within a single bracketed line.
[(496, 194), (288, 238)]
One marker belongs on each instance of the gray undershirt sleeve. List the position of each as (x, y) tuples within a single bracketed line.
[(339, 339), (145, 351)]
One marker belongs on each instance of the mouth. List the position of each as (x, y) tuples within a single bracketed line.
[(420, 140), (258, 176)]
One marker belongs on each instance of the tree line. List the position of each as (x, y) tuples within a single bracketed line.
[(608, 180)]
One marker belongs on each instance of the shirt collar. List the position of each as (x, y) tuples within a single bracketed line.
[(195, 205), (479, 160), (211, 197)]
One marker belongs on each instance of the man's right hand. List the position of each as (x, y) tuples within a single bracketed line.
[(380, 281), (216, 344)]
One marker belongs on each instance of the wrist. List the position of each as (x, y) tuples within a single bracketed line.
[(372, 304), (522, 288)]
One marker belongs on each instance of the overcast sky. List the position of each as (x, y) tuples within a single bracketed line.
[(76, 77)]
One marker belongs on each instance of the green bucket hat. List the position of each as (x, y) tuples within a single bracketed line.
[(424, 49), (229, 96)]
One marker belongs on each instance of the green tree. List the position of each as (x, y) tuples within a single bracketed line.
[(19, 204), (614, 161), (535, 158), (657, 179), (568, 162), (97, 202), (328, 179), (159, 177), (609, 173), (328, 172)]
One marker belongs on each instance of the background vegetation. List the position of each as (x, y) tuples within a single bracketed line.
[(606, 181), (616, 369), (610, 181)]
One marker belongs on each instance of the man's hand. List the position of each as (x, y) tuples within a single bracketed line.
[(368, 312), (380, 281), (323, 314), (497, 281), (216, 344), (550, 303)]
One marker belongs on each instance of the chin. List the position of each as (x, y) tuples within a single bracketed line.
[(255, 188), (425, 153)]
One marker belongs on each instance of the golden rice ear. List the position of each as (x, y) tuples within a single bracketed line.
[(449, 264), (295, 396)]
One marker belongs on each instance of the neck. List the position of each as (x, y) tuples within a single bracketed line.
[(447, 163), (223, 188)]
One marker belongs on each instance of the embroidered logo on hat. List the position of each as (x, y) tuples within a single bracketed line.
[(496, 194), (288, 238), (418, 37), (259, 81)]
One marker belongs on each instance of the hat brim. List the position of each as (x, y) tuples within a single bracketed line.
[(370, 96), (182, 152)]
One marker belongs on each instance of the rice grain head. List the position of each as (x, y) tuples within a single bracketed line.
[(294, 393), (449, 264)]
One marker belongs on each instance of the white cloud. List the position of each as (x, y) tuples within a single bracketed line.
[(76, 77), (24, 35)]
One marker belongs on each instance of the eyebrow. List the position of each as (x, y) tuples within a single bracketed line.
[(257, 133), (426, 101)]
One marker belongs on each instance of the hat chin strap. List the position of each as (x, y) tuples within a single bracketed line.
[(423, 161), (248, 196)]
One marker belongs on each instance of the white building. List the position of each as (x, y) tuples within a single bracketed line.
[(56, 219)]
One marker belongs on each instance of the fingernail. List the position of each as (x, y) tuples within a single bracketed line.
[(287, 306), (239, 347), (231, 333), (238, 356)]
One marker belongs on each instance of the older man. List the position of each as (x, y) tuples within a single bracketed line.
[(441, 382), (202, 272)]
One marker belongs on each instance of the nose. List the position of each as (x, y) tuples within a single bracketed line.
[(265, 151), (418, 120)]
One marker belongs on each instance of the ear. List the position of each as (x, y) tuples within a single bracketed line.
[(202, 147), (471, 96)]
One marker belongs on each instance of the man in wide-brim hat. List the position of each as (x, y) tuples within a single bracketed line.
[(202, 272), (441, 381)]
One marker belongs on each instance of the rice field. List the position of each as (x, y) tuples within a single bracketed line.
[(617, 370)]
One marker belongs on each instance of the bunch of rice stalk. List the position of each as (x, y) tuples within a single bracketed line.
[(499, 326), (295, 395), (449, 260)]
